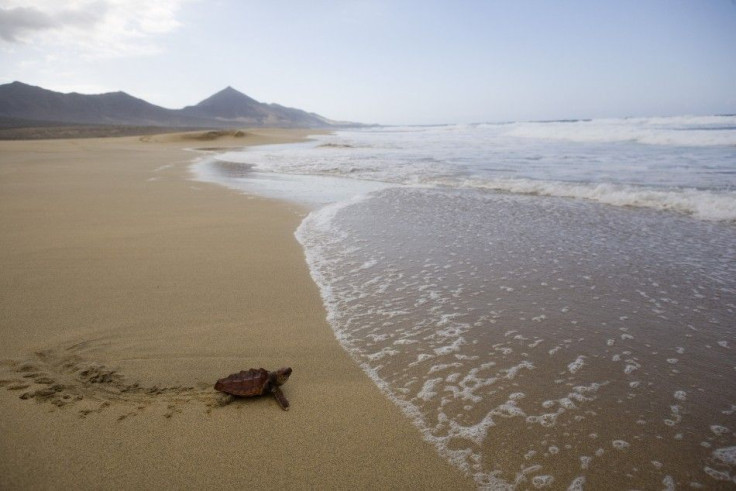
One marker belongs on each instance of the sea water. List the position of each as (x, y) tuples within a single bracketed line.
[(552, 304)]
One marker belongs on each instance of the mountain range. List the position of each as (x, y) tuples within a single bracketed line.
[(24, 104)]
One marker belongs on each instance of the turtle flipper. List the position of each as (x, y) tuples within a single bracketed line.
[(280, 398)]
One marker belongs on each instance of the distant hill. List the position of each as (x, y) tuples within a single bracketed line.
[(227, 108), (230, 106)]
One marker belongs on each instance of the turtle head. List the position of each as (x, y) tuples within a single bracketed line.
[(282, 375)]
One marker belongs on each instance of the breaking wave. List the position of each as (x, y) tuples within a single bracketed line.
[(706, 205), (681, 164), (695, 131)]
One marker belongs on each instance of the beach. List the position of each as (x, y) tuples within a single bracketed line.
[(128, 289), (550, 303)]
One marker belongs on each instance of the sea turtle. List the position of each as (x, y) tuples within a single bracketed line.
[(256, 382)]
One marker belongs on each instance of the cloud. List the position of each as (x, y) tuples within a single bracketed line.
[(19, 23), (14, 22), (89, 28)]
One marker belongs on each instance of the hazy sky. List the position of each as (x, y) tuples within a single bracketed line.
[(389, 61)]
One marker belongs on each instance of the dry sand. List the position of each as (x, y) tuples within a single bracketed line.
[(127, 290)]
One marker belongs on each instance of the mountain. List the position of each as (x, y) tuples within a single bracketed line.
[(22, 101), (227, 108), (232, 106)]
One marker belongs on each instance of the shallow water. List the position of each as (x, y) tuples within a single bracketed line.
[(568, 340), (551, 304)]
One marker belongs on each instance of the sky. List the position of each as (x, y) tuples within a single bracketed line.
[(387, 61)]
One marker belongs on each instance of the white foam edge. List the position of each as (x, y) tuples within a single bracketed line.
[(701, 204), (706, 205), (320, 220)]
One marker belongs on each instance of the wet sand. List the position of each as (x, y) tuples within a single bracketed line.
[(128, 289)]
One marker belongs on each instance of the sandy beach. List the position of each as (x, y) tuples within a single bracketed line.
[(128, 289)]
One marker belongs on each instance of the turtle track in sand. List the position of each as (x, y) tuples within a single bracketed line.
[(66, 380)]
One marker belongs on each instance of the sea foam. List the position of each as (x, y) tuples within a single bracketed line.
[(704, 204), (685, 165), (454, 350), (695, 131)]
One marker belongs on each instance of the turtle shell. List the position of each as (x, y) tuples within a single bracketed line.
[(253, 382)]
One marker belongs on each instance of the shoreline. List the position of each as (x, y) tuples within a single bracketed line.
[(129, 289)]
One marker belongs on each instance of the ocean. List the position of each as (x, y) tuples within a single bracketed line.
[(552, 304)]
